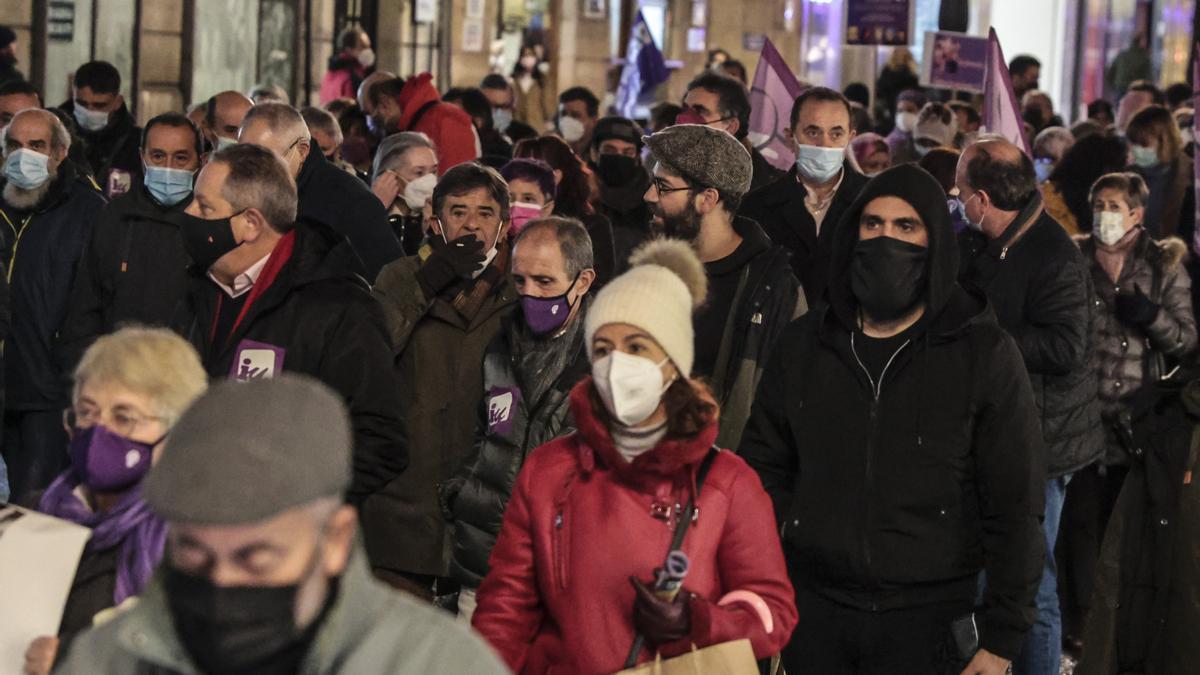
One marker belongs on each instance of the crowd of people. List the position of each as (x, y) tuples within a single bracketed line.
[(321, 379)]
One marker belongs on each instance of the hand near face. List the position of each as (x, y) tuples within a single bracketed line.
[(386, 187)]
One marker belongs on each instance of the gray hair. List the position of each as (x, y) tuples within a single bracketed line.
[(573, 240), (258, 179), (322, 120), (1044, 143), (280, 118), (60, 138), (391, 151), (264, 92)]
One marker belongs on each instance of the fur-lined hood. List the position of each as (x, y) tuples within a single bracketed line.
[(1167, 253)]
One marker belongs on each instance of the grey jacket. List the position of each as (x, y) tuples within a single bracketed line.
[(1128, 357), (370, 629)]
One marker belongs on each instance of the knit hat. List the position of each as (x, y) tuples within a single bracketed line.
[(664, 285), (247, 451), (703, 155), (932, 126), (618, 128)]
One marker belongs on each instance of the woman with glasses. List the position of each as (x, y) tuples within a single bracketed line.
[(130, 388)]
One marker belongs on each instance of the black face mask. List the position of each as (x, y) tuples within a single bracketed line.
[(205, 240), (617, 170), (888, 276), (240, 629)]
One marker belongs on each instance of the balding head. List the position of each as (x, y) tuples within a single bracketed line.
[(995, 180), (279, 128), (43, 137), (223, 116), (377, 76)]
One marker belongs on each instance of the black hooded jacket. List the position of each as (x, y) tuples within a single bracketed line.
[(331, 196), (319, 313), (896, 494), (113, 152)]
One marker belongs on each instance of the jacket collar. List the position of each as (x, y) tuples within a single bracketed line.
[(665, 460), (1029, 213)]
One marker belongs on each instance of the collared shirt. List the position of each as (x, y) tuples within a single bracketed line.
[(819, 207), (244, 281)]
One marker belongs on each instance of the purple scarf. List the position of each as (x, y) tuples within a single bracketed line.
[(131, 526)]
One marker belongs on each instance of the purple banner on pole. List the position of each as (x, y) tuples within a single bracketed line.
[(1001, 115), (1196, 138), (878, 22), (954, 61), (771, 95)]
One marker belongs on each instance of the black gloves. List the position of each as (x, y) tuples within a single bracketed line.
[(449, 263), (660, 621), (1136, 309)]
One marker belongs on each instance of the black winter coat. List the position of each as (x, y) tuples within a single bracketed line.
[(779, 208), (41, 250), (342, 202), (626, 209), (1041, 289), (311, 307), (113, 153), (510, 427), (895, 494), (133, 271)]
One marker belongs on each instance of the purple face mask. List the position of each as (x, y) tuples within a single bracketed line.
[(546, 315), (106, 461)]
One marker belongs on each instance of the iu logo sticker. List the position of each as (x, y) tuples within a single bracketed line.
[(256, 361), (502, 404)]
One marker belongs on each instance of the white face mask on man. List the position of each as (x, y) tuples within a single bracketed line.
[(631, 387)]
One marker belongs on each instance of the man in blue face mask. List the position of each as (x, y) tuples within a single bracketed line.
[(46, 216), (801, 210), (108, 129), (528, 371), (135, 267)]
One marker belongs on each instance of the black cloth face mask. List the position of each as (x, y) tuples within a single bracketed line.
[(887, 276), (205, 240), (616, 170)]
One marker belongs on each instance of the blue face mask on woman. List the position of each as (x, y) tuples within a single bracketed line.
[(168, 186)]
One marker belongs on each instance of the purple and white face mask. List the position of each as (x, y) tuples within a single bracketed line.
[(546, 315), (108, 462)]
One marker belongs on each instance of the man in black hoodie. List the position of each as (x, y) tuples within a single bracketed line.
[(896, 433), (622, 180), (109, 132), (268, 296)]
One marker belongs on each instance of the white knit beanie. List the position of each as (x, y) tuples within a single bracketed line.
[(664, 285)]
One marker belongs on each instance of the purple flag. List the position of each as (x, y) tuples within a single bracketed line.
[(771, 96), (644, 69), (1001, 114), (1195, 138)]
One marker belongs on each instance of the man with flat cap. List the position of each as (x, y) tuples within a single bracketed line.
[(701, 175), (262, 573)]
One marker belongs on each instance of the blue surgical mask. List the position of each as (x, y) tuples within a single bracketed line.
[(819, 164), (1143, 156), (1043, 166), (223, 143), (26, 168), (90, 120), (501, 118), (168, 186)]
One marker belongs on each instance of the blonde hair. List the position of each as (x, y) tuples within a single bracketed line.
[(152, 362)]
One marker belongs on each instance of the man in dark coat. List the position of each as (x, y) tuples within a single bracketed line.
[(700, 177), (528, 372), (722, 102), (443, 308), (135, 267), (110, 134), (801, 210), (896, 433), (328, 195), (267, 297), (46, 215), (1040, 286), (622, 180)]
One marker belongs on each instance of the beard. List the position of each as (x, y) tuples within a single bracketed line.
[(684, 225), (25, 200)]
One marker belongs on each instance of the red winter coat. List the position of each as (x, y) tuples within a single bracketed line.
[(579, 524), (449, 126)]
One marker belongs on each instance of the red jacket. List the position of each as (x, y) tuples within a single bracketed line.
[(579, 524), (449, 126)]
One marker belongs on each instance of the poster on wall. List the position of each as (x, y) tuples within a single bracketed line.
[(595, 9), (60, 20), (879, 22), (697, 41), (954, 61), (472, 38), (425, 11), (474, 9)]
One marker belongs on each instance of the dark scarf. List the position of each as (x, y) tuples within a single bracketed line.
[(539, 361), (468, 297)]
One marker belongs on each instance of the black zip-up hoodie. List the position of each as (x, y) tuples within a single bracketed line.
[(896, 494)]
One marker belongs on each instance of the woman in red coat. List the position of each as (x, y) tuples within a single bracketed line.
[(592, 514)]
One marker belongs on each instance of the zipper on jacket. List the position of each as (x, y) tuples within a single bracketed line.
[(560, 556), (873, 423), (17, 232)]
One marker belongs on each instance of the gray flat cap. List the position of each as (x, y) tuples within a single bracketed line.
[(709, 156), (247, 451)]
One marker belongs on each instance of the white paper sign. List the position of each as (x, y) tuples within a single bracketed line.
[(472, 38), (38, 558)]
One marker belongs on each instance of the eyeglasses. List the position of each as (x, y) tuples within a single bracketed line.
[(119, 422), (663, 188)]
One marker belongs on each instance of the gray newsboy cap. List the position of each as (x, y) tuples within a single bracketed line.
[(708, 156), (247, 451)]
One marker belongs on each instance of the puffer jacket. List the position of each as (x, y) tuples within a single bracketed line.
[(511, 425), (1128, 357), (450, 129)]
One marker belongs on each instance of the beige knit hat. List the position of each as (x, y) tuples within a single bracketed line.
[(664, 285)]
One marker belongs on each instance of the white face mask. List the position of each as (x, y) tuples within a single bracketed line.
[(631, 387), (487, 257), (366, 58), (819, 164), (570, 128), (906, 121), (90, 120), (419, 190), (1108, 226), (223, 142), (529, 62)]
